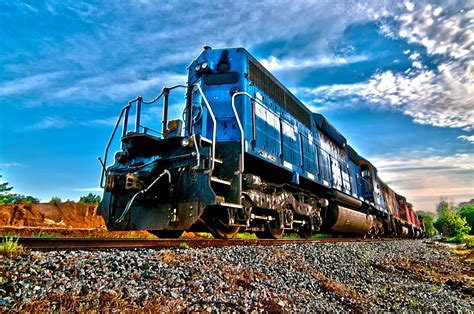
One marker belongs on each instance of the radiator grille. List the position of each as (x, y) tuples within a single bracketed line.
[(268, 85)]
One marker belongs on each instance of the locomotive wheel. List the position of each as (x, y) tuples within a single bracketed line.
[(220, 229), (272, 230), (305, 231), (167, 234), (223, 232)]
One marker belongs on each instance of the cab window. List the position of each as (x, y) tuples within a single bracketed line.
[(221, 78)]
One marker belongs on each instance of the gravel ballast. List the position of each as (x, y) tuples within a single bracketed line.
[(387, 275)]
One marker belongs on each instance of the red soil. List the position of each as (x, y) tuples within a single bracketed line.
[(63, 215)]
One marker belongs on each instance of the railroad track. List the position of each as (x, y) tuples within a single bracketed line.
[(55, 244)]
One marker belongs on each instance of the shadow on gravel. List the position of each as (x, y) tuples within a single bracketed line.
[(453, 275)]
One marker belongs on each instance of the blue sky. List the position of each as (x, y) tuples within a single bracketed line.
[(395, 78)]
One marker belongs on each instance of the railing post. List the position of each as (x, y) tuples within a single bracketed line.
[(125, 122), (166, 93), (189, 109), (214, 123), (137, 117)]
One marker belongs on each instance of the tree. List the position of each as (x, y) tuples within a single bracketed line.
[(428, 219), (450, 223), (467, 212), (4, 187), (55, 200), (7, 198), (90, 198), (444, 203)]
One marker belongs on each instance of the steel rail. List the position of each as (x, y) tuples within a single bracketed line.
[(59, 244)]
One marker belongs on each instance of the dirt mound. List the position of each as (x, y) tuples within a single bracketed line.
[(63, 215)]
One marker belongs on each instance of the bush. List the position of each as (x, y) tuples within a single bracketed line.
[(10, 247), (451, 224), (428, 222), (55, 200), (90, 198), (467, 212), (17, 198)]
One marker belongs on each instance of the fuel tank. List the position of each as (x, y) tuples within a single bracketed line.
[(343, 219)]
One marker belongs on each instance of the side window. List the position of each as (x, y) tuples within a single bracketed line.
[(364, 171), (324, 165), (346, 181), (308, 153), (336, 173)]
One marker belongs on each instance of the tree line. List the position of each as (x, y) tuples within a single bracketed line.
[(7, 197), (450, 221)]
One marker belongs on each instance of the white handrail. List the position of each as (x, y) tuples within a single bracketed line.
[(242, 139), (211, 113)]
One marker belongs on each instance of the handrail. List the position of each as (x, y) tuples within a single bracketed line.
[(162, 93), (198, 154), (104, 162), (126, 110), (211, 113), (242, 138)]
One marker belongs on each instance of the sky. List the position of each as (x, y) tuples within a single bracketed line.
[(396, 78)]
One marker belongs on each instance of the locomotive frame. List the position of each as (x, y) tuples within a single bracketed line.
[(248, 155)]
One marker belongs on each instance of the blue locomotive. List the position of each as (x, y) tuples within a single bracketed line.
[(247, 155)]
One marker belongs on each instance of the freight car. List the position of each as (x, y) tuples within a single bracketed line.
[(247, 155)]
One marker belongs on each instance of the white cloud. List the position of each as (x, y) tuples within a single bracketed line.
[(414, 56), (457, 161), (116, 86), (10, 164), (50, 123), (29, 83), (442, 96), (424, 179), (466, 138), (452, 34), (275, 64), (111, 57)]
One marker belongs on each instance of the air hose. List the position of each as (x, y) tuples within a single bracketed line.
[(129, 204)]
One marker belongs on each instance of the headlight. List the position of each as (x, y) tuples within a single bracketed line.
[(197, 68), (119, 156), (185, 142), (204, 65)]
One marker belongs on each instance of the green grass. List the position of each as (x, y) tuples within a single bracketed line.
[(9, 235), (313, 236), (454, 240), (252, 236), (321, 236), (290, 236), (10, 247), (45, 235), (184, 245), (246, 236), (206, 235), (469, 242), (131, 236)]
